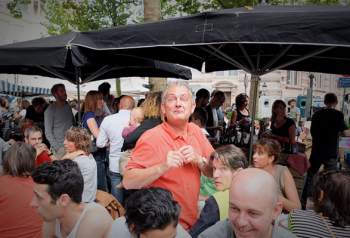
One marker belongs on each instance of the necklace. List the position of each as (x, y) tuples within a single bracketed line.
[(327, 226)]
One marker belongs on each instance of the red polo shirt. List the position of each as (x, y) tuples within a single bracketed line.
[(184, 182)]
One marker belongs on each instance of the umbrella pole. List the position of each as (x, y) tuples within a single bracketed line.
[(253, 98), (77, 80)]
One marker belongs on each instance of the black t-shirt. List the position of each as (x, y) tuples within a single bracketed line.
[(326, 125), (284, 129), (31, 114), (284, 132)]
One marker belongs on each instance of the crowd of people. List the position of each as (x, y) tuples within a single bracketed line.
[(164, 161)]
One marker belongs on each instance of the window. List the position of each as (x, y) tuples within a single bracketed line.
[(220, 73), (233, 72), (292, 78)]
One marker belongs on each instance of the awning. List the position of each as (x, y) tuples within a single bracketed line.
[(21, 90)]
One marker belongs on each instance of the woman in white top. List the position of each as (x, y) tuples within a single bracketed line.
[(77, 146)]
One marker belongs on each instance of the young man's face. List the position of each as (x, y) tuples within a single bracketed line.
[(178, 105), (61, 94), (218, 101), (34, 138), (45, 206), (168, 232), (222, 175)]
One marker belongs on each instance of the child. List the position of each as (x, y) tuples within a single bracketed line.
[(136, 117)]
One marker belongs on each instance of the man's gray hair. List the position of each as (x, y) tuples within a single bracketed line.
[(28, 131), (177, 83)]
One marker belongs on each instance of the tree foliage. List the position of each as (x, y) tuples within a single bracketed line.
[(14, 7), (84, 15), (80, 15)]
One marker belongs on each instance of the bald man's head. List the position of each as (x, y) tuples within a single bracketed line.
[(126, 103), (256, 181), (254, 203)]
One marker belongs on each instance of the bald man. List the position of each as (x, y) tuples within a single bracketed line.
[(111, 134), (253, 210)]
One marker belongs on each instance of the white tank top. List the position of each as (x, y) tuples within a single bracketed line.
[(74, 231)]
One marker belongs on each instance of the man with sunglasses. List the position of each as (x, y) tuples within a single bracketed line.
[(173, 154)]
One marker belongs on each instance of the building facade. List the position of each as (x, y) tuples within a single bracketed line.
[(279, 84)]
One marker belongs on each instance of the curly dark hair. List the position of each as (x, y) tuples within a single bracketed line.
[(331, 196), (149, 209), (240, 99), (62, 177)]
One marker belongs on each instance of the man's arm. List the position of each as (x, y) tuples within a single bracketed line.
[(137, 178), (102, 138), (48, 122)]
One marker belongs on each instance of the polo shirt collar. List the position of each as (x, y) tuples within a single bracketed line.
[(174, 134)]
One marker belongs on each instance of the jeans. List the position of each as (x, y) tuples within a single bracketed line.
[(102, 168), (116, 179), (315, 164)]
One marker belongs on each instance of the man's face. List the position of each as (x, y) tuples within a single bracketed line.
[(34, 138), (167, 232), (39, 108), (203, 101), (45, 206), (251, 215), (222, 175), (218, 101), (178, 105), (60, 94)]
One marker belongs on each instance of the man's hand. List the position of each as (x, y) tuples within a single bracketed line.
[(175, 159), (40, 148), (191, 156)]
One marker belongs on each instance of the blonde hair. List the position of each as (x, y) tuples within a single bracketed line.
[(151, 105), (91, 98)]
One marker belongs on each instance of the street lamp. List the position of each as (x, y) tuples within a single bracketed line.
[(308, 111)]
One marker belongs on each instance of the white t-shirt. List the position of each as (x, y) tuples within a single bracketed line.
[(88, 168), (215, 117)]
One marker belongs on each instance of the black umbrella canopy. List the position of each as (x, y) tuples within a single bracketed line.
[(140, 68), (258, 40), (53, 57)]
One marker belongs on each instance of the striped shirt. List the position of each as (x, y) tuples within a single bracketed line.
[(307, 223)]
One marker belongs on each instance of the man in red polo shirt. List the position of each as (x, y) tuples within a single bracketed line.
[(34, 136), (173, 154)]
